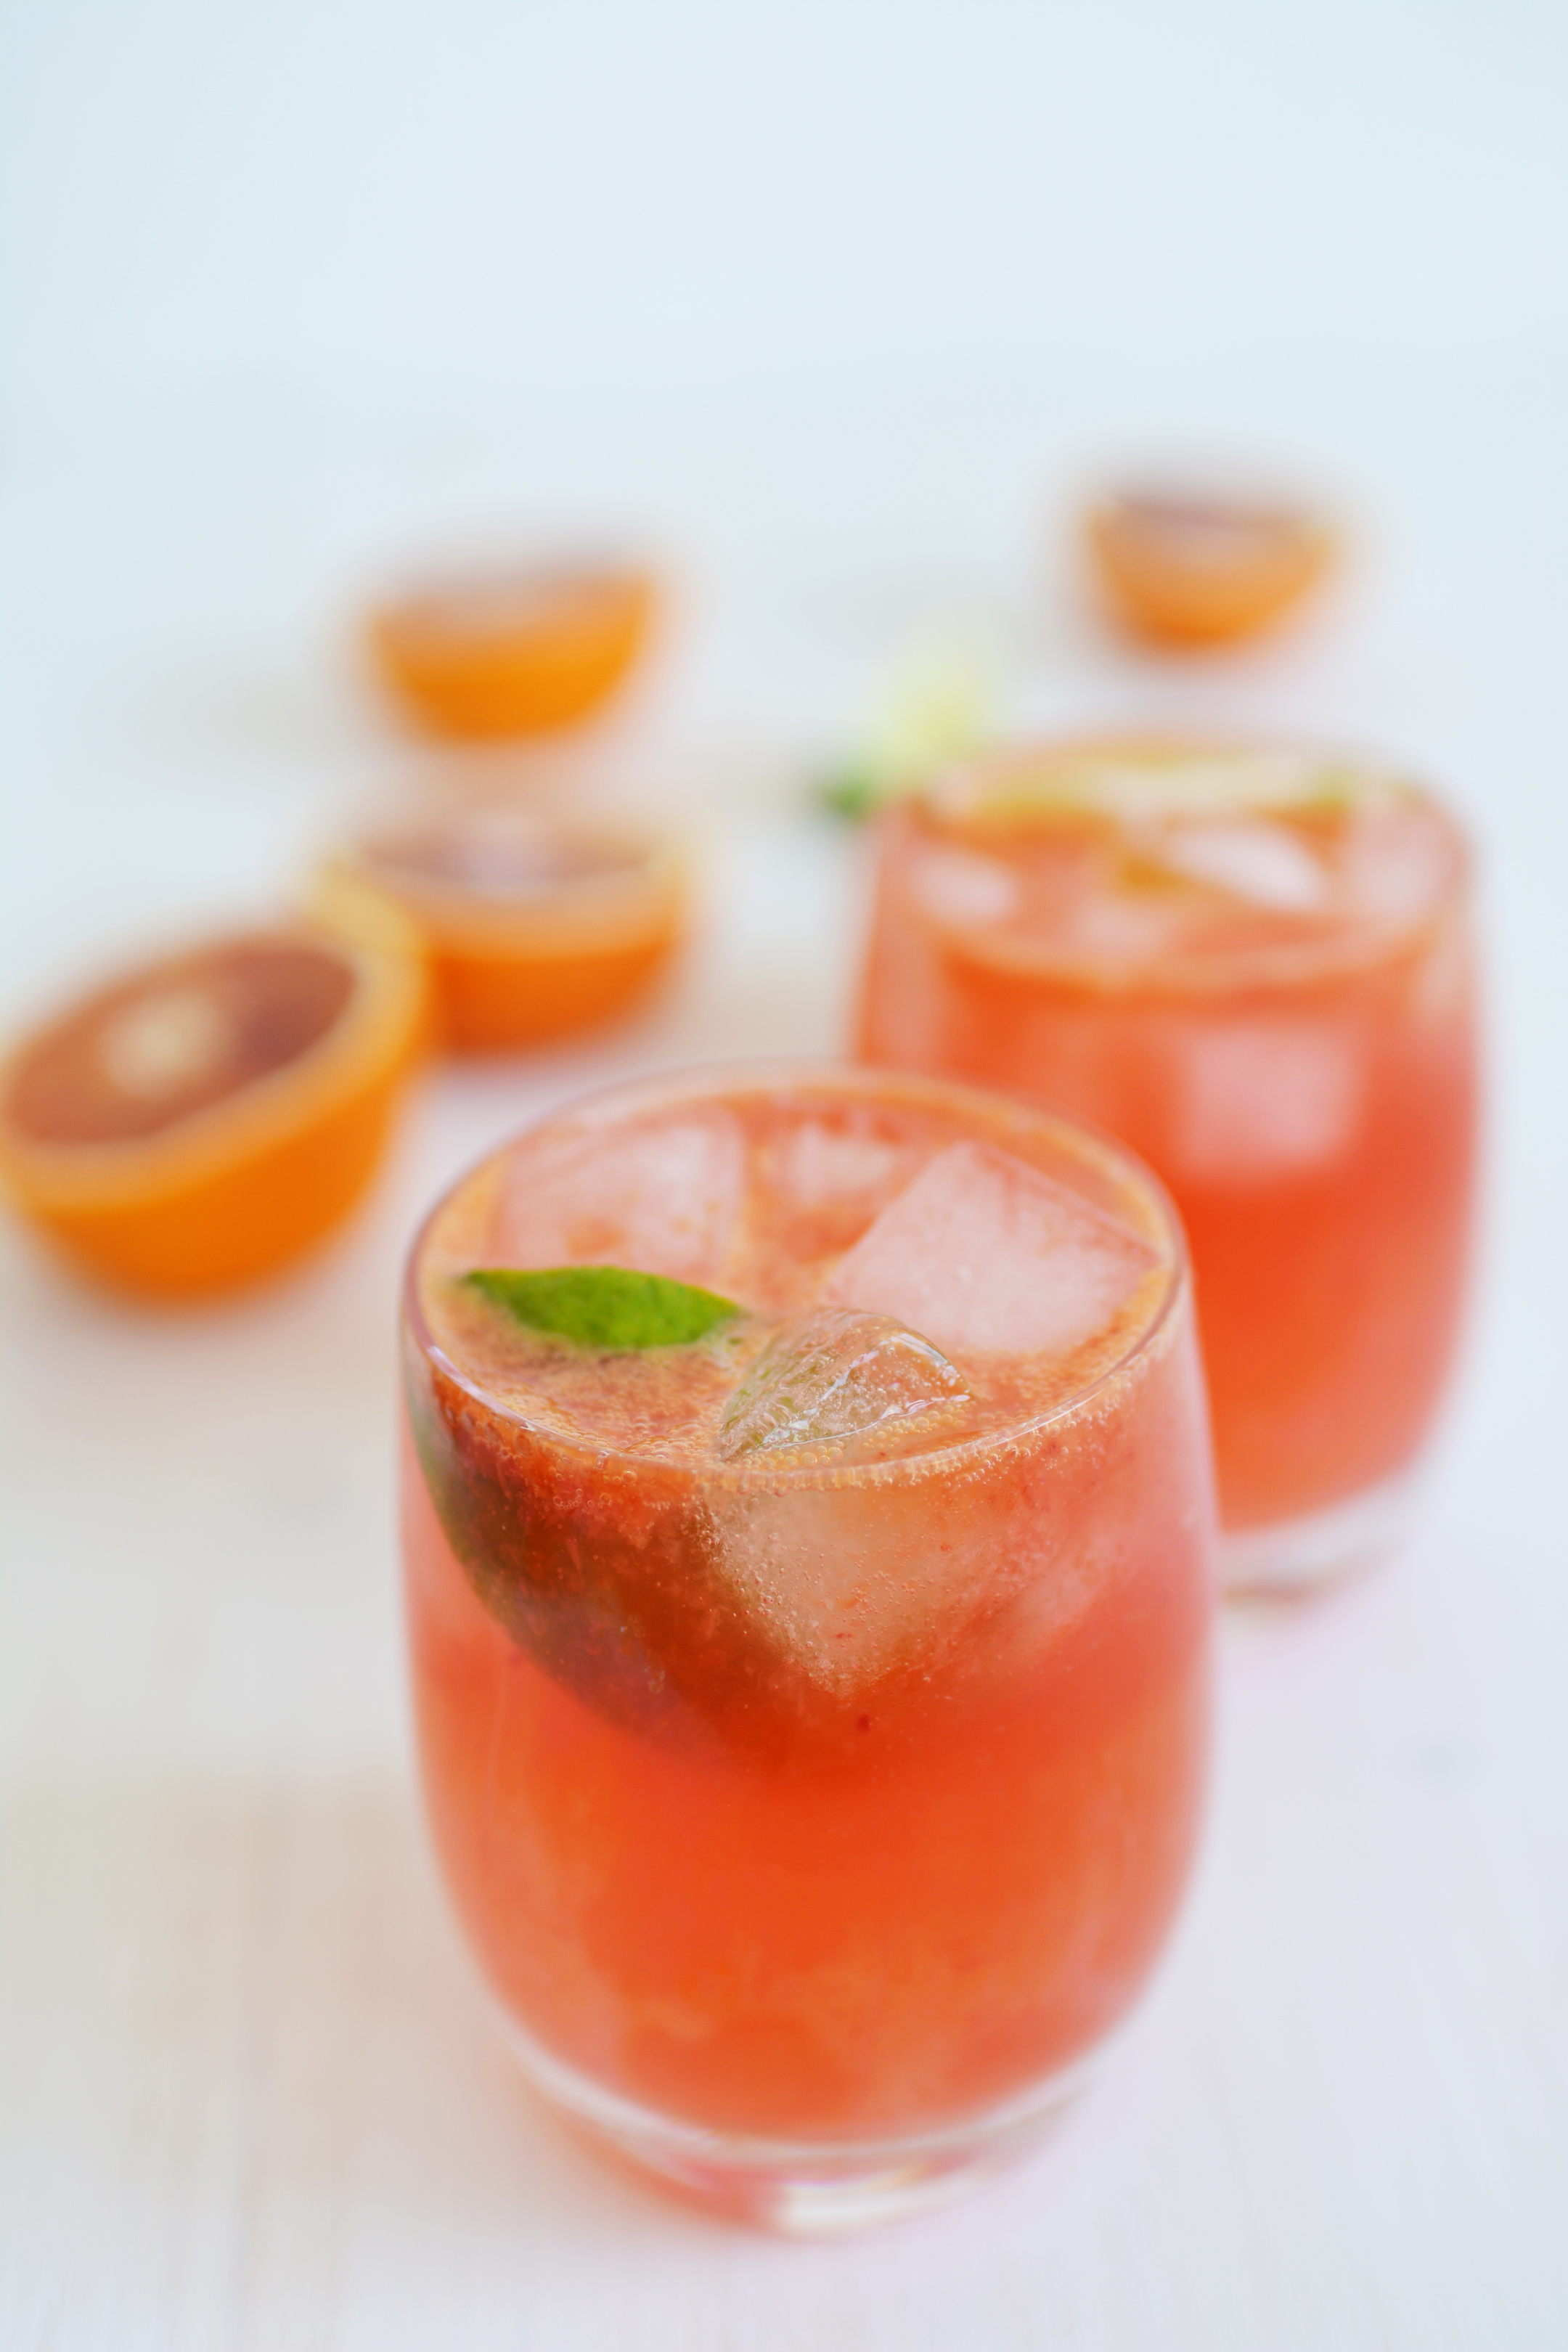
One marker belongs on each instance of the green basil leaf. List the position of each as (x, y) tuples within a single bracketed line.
[(604, 1306)]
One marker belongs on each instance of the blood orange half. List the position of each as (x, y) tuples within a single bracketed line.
[(514, 653), (196, 1121), (533, 929), (1184, 569)]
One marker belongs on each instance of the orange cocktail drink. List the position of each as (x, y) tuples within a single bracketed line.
[(809, 1536), (1255, 967)]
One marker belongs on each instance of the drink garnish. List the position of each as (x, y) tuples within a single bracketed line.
[(938, 712), (607, 1307)]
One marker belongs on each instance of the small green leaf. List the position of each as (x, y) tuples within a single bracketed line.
[(604, 1306), (851, 794), (938, 712)]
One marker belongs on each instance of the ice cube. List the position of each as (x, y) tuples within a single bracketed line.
[(1119, 926), (1397, 861), (862, 1384), (824, 1180), (965, 887), (1266, 865), (850, 1581), (983, 1254), (1264, 1098), (661, 1197), (818, 1165)]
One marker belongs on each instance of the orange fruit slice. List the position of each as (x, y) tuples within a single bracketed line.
[(1193, 570), (533, 929), (512, 653), (199, 1121)]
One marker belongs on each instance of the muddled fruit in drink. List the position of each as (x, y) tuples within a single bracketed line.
[(809, 1522), (1254, 966)]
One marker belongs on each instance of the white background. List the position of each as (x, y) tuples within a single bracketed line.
[(837, 307)]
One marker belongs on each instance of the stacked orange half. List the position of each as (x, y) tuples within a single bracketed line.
[(517, 653), (533, 929), (199, 1121)]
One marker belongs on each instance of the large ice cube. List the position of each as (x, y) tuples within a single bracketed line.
[(661, 1197), (850, 1580), (859, 1383), (823, 1181), (1396, 860), (821, 1164), (1260, 1100), (983, 1254), (1266, 865), (965, 887)]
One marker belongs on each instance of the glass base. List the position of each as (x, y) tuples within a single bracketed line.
[(803, 2188), (1289, 1556)]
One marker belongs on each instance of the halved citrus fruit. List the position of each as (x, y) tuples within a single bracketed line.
[(533, 929), (510, 653), (1188, 569), (200, 1120)]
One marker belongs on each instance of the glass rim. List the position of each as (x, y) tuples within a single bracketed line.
[(713, 1080), (1358, 946)]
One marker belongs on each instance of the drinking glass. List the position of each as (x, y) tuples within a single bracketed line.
[(813, 1708), (1254, 965)]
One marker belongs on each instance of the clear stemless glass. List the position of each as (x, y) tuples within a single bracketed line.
[(813, 1710), (1253, 964)]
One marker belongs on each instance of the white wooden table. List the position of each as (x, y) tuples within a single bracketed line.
[(248, 2093)]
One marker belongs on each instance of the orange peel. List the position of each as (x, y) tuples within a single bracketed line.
[(1190, 571), (201, 1119), (513, 653), (533, 929)]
